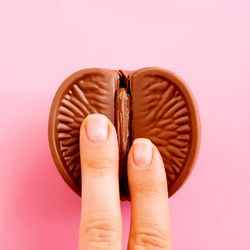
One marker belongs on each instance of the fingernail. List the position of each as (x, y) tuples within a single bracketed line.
[(142, 152), (97, 127)]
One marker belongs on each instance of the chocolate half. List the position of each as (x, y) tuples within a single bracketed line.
[(151, 103)]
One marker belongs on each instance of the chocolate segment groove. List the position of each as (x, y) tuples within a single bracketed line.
[(151, 102)]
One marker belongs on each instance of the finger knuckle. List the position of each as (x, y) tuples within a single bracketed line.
[(151, 239), (100, 163), (100, 232), (151, 189)]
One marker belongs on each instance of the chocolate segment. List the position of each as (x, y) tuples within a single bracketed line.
[(85, 92), (151, 102), (164, 112)]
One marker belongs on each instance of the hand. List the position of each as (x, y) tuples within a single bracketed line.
[(101, 223)]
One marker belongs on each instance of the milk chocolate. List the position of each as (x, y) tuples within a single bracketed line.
[(151, 103)]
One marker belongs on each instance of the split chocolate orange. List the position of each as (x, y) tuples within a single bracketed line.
[(151, 103)]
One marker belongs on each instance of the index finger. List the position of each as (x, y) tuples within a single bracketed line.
[(100, 226)]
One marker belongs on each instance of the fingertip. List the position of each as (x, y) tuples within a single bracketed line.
[(97, 129), (144, 154), (98, 143)]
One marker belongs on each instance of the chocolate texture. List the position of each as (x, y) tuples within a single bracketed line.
[(151, 103)]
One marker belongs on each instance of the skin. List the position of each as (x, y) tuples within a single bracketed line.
[(101, 221)]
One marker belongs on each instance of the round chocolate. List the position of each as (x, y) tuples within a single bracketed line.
[(162, 109)]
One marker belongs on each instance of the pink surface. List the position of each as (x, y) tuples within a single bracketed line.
[(205, 42)]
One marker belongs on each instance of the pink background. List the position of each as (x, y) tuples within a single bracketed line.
[(205, 42)]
